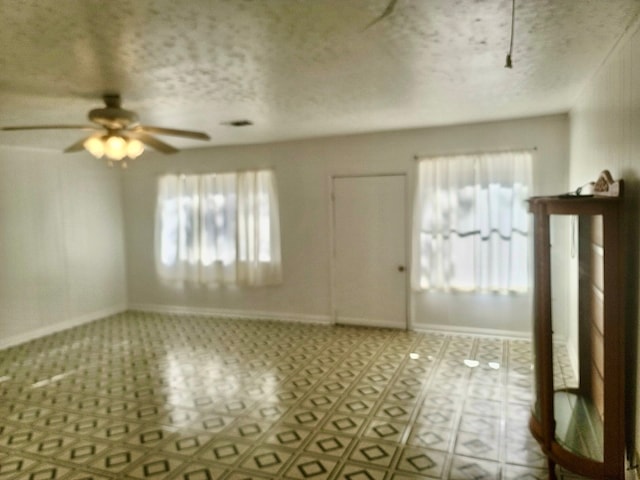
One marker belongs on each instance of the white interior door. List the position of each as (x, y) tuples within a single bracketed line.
[(369, 274)]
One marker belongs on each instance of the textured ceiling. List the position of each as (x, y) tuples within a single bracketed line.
[(296, 68)]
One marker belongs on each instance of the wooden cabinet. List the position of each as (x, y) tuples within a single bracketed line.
[(578, 412)]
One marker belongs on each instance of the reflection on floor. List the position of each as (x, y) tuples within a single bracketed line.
[(141, 395)]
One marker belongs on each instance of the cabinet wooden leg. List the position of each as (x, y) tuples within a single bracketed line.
[(551, 465)]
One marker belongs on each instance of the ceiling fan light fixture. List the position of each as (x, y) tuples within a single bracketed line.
[(114, 147), (121, 137)]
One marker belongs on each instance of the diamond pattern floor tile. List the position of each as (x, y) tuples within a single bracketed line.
[(464, 468), (201, 471), (431, 437), (225, 451), (150, 396), (374, 453), (45, 471), (423, 462), (267, 460), (307, 466), (155, 467), (330, 444)]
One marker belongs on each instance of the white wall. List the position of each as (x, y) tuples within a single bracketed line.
[(605, 134), (61, 243), (303, 170)]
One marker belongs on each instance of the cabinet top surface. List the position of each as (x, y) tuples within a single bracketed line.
[(573, 204)]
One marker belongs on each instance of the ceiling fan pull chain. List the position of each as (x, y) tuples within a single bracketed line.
[(509, 62)]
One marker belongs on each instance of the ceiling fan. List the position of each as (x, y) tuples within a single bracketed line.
[(117, 133)]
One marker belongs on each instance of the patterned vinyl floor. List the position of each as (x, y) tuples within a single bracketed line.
[(140, 395)]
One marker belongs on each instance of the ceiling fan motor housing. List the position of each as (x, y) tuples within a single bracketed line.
[(113, 118)]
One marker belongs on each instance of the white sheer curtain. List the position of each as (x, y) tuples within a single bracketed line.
[(218, 212), (470, 223), (176, 238), (219, 229), (259, 261)]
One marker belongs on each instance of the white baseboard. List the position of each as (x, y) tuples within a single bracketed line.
[(366, 322), (243, 314), (14, 340), (475, 331)]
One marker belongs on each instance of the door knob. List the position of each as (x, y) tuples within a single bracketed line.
[(401, 268)]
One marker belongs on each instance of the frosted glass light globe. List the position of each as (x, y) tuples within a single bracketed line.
[(115, 147), (95, 146), (134, 148)]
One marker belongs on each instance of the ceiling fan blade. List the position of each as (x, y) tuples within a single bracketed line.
[(172, 131), (76, 147), (153, 142), (49, 127)]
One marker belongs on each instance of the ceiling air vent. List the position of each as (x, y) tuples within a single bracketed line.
[(238, 123)]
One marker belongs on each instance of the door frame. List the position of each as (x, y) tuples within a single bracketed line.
[(407, 242)]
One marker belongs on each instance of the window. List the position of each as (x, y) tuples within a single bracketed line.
[(470, 223), (219, 228)]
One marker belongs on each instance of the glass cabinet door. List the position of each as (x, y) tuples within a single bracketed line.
[(577, 266)]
